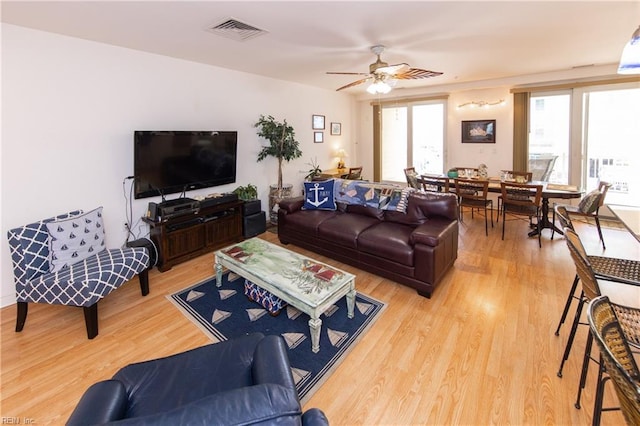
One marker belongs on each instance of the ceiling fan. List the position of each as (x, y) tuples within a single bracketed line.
[(384, 76)]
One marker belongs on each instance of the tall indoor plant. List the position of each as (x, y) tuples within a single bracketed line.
[(282, 145)]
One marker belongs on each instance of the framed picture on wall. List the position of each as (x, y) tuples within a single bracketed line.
[(479, 131), (317, 122), (336, 129), (318, 137)]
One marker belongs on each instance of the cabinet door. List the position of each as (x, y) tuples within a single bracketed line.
[(222, 231), (184, 241)]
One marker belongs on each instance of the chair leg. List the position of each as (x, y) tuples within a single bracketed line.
[(572, 334), (585, 368), (553, 222), (600, 232), (144, 281), (597, 403), (504, 219), (486, 225), (568, 303), (23, 307), (91, 320), (539, 231)]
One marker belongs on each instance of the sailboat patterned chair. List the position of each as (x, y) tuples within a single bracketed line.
[(63, 260)]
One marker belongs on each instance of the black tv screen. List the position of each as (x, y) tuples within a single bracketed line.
[(167, 162)]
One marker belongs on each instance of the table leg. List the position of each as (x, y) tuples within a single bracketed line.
[(351, 302), (218, 268), (545, 222), (315, 324)]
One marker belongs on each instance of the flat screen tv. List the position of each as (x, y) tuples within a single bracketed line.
[(166, 162)]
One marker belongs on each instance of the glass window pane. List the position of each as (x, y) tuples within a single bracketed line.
[(394, 143), (613, 140), (428, 138), (549, 137)]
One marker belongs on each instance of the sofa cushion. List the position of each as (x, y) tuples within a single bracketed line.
[(75, 239), (388, 240), (308, 221), (344, 229), (318, 195), (365, 211)]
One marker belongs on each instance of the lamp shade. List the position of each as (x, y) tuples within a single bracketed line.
[(630, 60)]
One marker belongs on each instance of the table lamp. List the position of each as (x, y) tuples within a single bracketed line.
[(341, 154)]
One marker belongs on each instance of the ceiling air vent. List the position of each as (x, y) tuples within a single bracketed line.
[(236, 30)]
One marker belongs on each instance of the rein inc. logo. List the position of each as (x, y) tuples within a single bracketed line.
[(12, 420)]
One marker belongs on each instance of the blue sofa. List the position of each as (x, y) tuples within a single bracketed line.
[(243, 381)]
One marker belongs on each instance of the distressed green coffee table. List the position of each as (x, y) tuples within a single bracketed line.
[(309, 285)]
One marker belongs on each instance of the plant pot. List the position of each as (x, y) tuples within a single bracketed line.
[(275, 196)]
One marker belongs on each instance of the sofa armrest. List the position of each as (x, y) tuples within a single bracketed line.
[(314, 417), (103, 402), (291, 205), (432, 232), (271, 362), (253, 405)]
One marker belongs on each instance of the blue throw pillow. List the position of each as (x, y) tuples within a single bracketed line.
[(319, 195)]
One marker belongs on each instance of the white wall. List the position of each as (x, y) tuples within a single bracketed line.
[(69, 109)]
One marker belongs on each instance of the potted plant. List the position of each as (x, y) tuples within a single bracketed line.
[(282, 145), (246, 193), (315, 169)]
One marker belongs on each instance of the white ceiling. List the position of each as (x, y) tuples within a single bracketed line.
[(467, 41)]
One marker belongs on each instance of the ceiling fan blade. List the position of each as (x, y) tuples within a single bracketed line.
[(355, 83), (348, 73), (393, 69), (416, 74)]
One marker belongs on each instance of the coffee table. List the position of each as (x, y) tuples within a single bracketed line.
[(308, 285)]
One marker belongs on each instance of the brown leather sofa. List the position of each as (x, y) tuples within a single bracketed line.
[(415, 248)]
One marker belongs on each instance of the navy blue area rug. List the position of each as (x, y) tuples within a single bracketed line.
[(225, 312)]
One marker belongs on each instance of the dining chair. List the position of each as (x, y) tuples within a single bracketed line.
[(354, 173), (435, 183), (472, 193), (591, 289), (521, 199), (412, 177), (589, 207), (519, 177), (612, 333)]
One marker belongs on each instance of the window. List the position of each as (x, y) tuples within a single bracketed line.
[(412, 135), (611, 142), (549, 122), (592, 132)]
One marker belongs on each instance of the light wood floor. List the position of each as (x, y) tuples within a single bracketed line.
[(480, 351)]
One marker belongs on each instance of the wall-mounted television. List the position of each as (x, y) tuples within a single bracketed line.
[(166, 162)]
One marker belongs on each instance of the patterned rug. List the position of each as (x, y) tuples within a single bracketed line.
[(225, 312)]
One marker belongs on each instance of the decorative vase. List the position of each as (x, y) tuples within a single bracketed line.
[(275, 196), (452, 173)]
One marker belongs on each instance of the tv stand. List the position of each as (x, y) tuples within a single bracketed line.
[(204, 230)]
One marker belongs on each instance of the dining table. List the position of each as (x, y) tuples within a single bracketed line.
[(549, 191)]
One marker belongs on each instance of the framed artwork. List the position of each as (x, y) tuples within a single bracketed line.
[(479, 131), (317, 122), (336, 128), (318, 137)]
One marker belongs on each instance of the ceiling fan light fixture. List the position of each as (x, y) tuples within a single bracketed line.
[(379, 88), (630, 60)]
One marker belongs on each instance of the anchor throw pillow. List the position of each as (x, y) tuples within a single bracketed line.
[(74, 239), (318, 195)]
